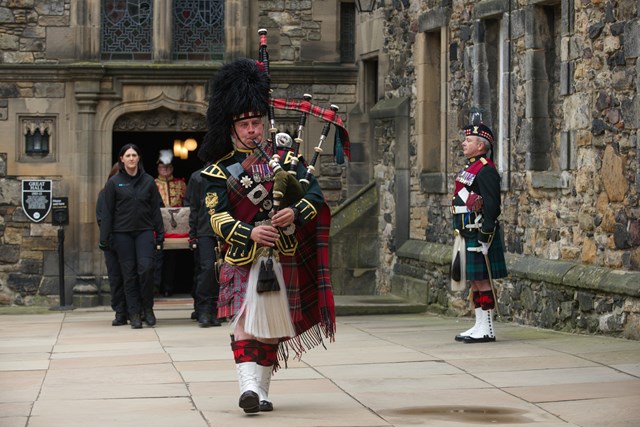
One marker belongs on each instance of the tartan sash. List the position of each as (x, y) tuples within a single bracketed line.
[(326, 114), (467, 175)]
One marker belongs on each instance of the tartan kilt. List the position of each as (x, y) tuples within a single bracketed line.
[(476, 268), (233, 287)]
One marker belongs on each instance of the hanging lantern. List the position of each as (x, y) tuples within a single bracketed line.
[(190, 143), (184, 153), (177, 147)]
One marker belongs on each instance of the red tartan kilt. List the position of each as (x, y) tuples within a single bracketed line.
[(233, 287)]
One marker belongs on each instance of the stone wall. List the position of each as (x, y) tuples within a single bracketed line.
[(353, 248), (568, 151), (49, 64), (29, 268), (583, 206), (23, 28), (558, 295)]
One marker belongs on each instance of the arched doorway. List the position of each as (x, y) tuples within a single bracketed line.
[(153, 131)]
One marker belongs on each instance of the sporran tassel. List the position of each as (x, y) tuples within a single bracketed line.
[(266, 314), (267, 281)]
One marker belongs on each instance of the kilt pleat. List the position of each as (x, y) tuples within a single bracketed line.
[(476, 264)]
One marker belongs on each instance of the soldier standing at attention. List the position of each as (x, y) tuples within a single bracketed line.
[(478, 244)]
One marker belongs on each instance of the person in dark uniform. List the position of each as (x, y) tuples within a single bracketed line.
[(118, 302), (132, 226), (476, 208), (202, 241)]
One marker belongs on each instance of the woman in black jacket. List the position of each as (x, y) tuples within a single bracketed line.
[(132, 226)]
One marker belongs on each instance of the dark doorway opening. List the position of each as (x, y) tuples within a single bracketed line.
[(150, 144)]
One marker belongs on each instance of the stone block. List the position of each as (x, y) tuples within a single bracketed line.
[(613, 176), (367, 254), (537, 102), (632, 39), (433, 182), (50, 286), (24, 284), (85, 301), (535, 66), (9, 254), (549, 180), (9, 90), (434, 19), (490, 9), (105, 299), (631, 112), (409, 288)]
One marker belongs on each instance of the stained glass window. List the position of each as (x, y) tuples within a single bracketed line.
[(198, 29), (347, 33), (127, 26)]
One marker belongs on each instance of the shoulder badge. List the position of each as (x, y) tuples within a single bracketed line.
[(211, 201)]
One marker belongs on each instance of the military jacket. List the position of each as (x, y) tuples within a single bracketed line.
[(239, 196), (476, 200)]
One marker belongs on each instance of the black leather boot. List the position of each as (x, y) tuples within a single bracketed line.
[(149, 317), (204, 320), (120, 320), (135, 321)]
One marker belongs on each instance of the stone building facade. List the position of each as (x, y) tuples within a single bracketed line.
[(558, 83), (78, 75), (557, 80)]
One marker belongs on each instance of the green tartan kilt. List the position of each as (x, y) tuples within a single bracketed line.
[(476, 268)]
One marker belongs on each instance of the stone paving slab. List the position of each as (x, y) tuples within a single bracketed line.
[(75, 369)]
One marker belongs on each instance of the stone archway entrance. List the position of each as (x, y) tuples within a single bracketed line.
[(156, 130), (153, 131)]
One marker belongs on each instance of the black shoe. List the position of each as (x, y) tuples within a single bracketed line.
[(120, 320), (249, 402), (215, 322), (135, 321), (149, 317), (194, 315), (204, 320), (471, 340), (460, 338), (266, 406)]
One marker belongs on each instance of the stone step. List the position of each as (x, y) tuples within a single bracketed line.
[(354, 305), (346, 305)]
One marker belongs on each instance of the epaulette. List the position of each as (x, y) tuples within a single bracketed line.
[(484, 161), (214, 171)]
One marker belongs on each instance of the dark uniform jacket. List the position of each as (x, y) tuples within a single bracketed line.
[(481, 178), (238, 195), (132, 203), (199, 224)]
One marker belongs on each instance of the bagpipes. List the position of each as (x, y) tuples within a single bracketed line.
[(288, 189), (269, 313)]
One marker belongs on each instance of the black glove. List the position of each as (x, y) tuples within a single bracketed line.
[(104, 246)]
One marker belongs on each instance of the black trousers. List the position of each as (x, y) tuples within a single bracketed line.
[(136, 252), (118, 302), (164, 271), (206, 287)]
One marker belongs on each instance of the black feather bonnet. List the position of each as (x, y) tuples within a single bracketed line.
[(239, 91)]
